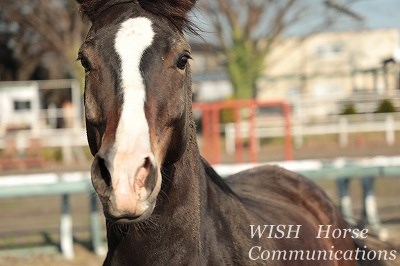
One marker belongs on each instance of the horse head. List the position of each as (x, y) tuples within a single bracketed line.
[(137, 98)]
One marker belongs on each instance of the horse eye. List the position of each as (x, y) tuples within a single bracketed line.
[(85, 63), (182, 61)]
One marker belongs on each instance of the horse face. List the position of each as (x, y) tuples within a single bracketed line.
[(135, 107)]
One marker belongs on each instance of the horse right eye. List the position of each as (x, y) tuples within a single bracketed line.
[(84, 62)]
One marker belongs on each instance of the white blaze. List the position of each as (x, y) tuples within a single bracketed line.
[(132, 140)]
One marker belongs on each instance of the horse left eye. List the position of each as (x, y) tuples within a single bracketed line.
[(182, 61)]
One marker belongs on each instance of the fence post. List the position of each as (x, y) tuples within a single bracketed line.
[(215, 131), (206, 123), (66, 236), (230, 138), (370, 211), (343, 132), (345, 200), (288, 132), (390, 134), (95, 231), (253, 133), (238, 135), (21, 143), (298, 135), (67, 154)]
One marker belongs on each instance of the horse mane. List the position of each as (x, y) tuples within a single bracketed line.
[(175, 11), (216, 178)]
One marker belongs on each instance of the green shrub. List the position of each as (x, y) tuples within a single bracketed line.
[(227, 116), (349, 109), (385, 106)]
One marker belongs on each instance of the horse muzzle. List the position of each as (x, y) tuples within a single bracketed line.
[(127, 185)]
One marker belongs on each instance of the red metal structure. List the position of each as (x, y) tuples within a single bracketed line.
[(211, 122)]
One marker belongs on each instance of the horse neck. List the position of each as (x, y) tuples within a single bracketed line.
[(185, 183), (178, 204), (187, 210)]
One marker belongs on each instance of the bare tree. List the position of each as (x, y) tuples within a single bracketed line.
[(50, 28), (247, 30)]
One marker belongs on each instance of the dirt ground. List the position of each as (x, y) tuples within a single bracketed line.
[(33, 222), (33, 225), (83, 257)]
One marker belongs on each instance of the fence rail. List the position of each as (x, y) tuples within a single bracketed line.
[(58, 184), (341, 170), (20, 146), (336, 125)]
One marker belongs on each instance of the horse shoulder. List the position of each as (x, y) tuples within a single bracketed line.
[(283, 192)]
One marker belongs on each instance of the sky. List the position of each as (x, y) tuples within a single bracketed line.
[(379, 13), (376, 14)]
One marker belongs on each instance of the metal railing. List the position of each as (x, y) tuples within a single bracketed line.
[(64, 185), (341, 170)]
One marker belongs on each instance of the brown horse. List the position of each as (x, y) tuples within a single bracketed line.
[(163, 203)]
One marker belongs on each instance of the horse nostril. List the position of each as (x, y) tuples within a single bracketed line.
[(150, 170), (104, 173), (144, 170), (147, 163)]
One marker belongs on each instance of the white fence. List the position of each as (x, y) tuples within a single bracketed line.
[(67, 139), (341, 125), (40, 105)]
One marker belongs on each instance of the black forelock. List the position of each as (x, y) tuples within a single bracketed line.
[(93, 8), (174, 11)]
